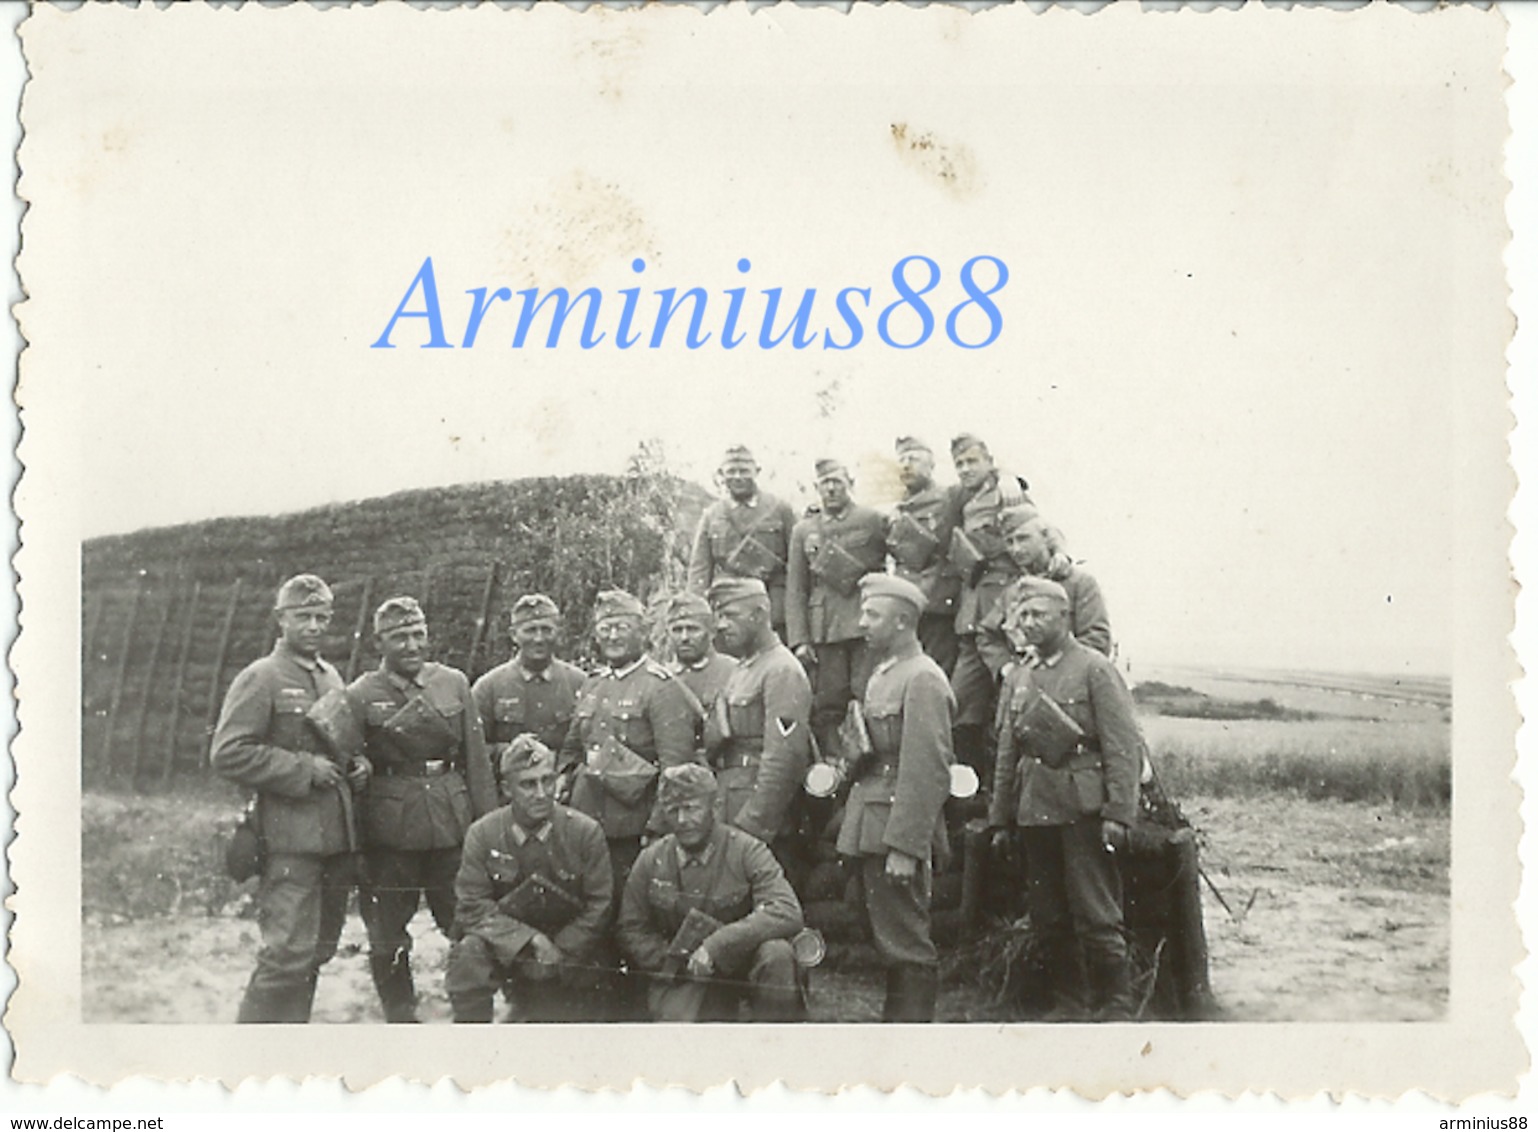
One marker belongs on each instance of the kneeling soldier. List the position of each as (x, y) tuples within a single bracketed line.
[(709, 916), (534, 890), (1067, 773), (431, 780)]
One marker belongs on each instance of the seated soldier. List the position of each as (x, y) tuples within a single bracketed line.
[(708, 914), (534, 889)]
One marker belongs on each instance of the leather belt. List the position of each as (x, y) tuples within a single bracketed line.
[(732, 761), (432, 768)]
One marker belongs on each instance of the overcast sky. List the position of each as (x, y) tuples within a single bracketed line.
[(1245, 314)]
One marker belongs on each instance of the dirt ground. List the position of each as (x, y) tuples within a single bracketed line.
[(1336, 911)]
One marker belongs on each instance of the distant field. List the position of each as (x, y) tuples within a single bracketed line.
[(1367, 739)]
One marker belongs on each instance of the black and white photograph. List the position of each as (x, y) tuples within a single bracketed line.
[(774, 543)]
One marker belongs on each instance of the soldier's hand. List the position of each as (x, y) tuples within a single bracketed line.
[(323, 772), (1011, 494), (901, 868), (359, 771), (700, 963), (807, 655), (546, 953), (563, 788), (1113, 835), (1002, 846), (1059, 566)]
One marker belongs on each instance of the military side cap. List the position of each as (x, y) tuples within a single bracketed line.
[(738, 454), (828, 466), (397, 613), (964, 441), (906, 444), (724, 591), (526, 753), (889, 585), (686, 607), (617, 603), (1028, 586), (535, 607), (685, 783), (302, 590), (1013, 518)]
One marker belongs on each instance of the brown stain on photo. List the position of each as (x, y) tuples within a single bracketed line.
[(582, 221), (950, 163), (612, 53)]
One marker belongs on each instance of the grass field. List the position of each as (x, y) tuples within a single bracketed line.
[(1380, 747)]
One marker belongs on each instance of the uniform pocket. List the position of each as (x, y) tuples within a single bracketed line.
[(503, 869), (1088, 789)]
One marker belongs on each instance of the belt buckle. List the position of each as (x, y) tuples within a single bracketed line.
[(434, 767)]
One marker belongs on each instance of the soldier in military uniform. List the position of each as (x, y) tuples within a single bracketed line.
[(918, 534), (708, 914), (535, 887), (762, 723), (892, 819), (830, 551), (265, 741), (696, 663), (632, 719), (432, 778), (745, 535), (534, 693), (977, 552), (1067, 776), (1030, 543)]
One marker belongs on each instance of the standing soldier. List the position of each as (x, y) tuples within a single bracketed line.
[(535, 888), (830, 551), (632, 718), (917, 537), (696, 663), (978, 554), (534, 693), (265, 741), (1030, 543), (745, 535), (892, 820), (1067, 774), (763, 721), (709, 916), (431, 780)]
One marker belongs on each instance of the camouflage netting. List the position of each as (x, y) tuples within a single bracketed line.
[(171, 614)]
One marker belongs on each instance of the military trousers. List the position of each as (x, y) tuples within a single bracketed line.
[(898, 913), (937, 634), (1074, 889), (396, 881), (536, 992), (975, 687), (301, 904), (768, 980), (840, 675)]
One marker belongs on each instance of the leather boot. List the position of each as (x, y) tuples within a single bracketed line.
[(1064, 965), (397, 993), (918, 988), (1111, 980), (893, 1001), (472, 1007)]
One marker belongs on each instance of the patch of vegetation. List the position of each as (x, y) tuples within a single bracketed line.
[(1403, 766), (1188, 703)]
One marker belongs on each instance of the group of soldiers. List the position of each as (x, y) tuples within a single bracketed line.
[(630, 843)]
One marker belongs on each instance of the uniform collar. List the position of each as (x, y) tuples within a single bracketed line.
[(404, 683), (621, 673), (522, 835), (541, 675), (912, 649), (702, 858), (308, 663), (750, 501)]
